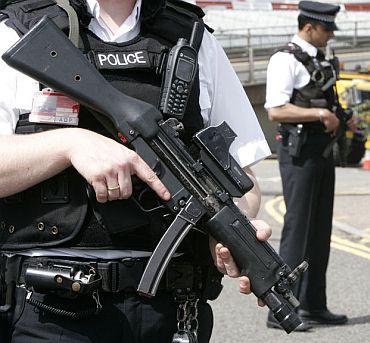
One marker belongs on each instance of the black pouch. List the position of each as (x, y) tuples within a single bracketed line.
[(297, 137), (9, 268), (212, 285)]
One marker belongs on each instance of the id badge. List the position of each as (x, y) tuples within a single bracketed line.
[(50, 107)]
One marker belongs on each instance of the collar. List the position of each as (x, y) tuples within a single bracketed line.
[(305, 46), (129, 27)]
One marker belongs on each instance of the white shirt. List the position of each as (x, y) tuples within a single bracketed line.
[(221, 98), (221, 95), (285, 73)]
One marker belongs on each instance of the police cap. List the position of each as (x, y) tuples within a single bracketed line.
[(324, 13)]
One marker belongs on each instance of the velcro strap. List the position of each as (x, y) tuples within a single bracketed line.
[(118, 59), (121, 276)]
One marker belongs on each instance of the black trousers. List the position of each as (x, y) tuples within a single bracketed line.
[(125, 318), (308, 188)]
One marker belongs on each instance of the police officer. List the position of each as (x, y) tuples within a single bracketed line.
[(55, 230), (300, 96)]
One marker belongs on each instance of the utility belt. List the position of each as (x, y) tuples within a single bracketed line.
[(296, 135), (69, 278), (76, 277), (72, 288)]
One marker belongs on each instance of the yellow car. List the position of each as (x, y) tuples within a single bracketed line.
[(353, 89)]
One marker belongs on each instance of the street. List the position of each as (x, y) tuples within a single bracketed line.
[(239, 319)]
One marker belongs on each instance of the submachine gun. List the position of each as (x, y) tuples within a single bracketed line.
[(342, 114), (202, 187)]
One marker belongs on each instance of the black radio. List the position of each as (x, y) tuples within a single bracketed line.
[(179, 76)]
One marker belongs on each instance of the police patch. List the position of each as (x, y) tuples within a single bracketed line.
[(121, 60)]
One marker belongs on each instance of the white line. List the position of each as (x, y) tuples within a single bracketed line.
[(336, 242), (350, 229)]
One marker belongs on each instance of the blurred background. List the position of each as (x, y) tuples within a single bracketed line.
[(250, 31)]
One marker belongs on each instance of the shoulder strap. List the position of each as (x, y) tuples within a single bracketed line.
[(299, 55), (188, 6), (4, 3), (296, 50), (22, 15), (176, 20)]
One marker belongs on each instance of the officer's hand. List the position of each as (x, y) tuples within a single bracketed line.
[(225, 262), (329, 119), (108, 166), (352, 123)]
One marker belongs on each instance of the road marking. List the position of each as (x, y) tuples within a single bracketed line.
[(352, 193), (350, 229), (365, 239), (282, 207), (349, 243), (350, 250), (357, 249), (341, 217), (269, 207)]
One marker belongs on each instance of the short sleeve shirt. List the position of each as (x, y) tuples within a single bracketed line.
[(285, 73)]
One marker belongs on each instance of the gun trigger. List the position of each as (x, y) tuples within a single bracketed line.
[(158, 169), (147, 210)]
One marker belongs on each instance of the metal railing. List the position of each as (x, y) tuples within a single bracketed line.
[(252, 47), (351, 34)]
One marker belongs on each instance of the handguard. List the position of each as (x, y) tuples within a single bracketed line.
[(202, 187)]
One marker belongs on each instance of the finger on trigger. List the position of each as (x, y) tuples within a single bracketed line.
[(146, 174)]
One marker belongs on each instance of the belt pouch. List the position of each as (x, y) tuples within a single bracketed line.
[(296, 139)]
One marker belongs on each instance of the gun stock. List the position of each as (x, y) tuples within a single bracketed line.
[(58, 64)]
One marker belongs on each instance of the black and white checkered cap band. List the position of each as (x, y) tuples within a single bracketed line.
[(322, 17)]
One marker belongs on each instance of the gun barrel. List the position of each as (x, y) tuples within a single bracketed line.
[(285, 316)]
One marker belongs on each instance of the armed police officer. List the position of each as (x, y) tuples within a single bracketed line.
[(300, 95), (66, 211)]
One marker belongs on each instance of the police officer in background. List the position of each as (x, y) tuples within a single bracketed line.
[(54, 229), (300, 96)]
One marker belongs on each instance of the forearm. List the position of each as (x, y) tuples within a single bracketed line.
[(290, 113), (29, 159), (250, 202)]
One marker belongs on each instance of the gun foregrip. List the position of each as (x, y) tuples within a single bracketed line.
[(254, 258)]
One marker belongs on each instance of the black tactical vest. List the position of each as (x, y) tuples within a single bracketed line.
[(322, 78), (61, 211)]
